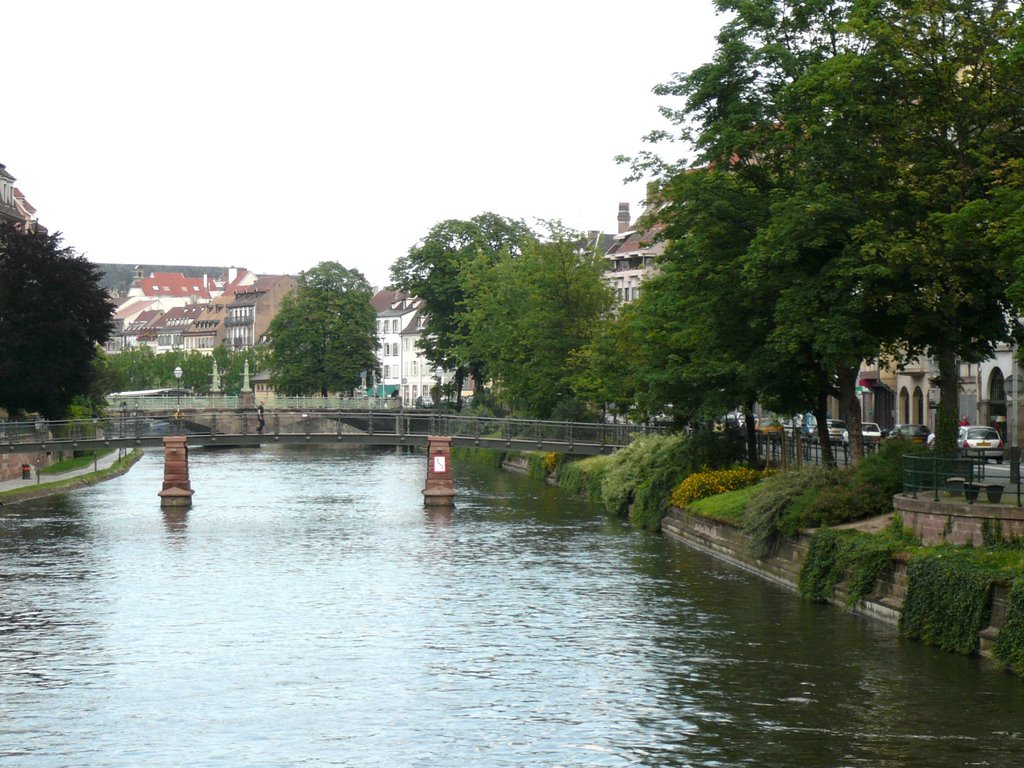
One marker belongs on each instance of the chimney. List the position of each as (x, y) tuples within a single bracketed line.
[(623, 217)]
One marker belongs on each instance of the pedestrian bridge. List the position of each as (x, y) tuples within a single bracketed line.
[(388, 428), (356, 428), (438, 432)]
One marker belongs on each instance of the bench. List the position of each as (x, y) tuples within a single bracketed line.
[(993, 491)]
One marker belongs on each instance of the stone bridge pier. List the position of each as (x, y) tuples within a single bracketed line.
[(177, 490), (439, 490)]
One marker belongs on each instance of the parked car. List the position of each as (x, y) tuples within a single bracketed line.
[(980, 442), (835, 429), (917, 433), (869, 431), (768, 423), (808, 426)]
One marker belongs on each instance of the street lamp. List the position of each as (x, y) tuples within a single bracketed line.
[(177, 376)]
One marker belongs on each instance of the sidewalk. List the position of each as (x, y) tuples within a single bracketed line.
[(18, 484)]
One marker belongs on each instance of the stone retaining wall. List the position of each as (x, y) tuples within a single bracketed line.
[(956, 522), (726, 542)]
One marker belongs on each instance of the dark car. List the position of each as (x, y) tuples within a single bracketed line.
[(916, 433)]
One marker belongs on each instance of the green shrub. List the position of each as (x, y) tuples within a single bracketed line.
[(842, 498), (861, 558), (483, 456), (710, 482), (584, 476), (1009, 646), (948, 598), (883, 469), (645, 473), (625, 473), (770, 501), (535, 465)]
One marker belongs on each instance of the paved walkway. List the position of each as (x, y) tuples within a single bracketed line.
[(102, 463)]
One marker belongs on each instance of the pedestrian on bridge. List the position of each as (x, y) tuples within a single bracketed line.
[(259, 417)]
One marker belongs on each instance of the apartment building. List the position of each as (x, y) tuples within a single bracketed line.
[(249, 314)]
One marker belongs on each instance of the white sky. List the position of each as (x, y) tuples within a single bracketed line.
[(274, 136)]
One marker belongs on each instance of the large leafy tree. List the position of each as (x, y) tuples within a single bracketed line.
[(324, 336), (869, 127), (958, 109), (53, 313), (530, 313), (434, 271)]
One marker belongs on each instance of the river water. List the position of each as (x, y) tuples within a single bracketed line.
[(308, 611)]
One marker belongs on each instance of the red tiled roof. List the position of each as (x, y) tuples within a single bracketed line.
[(173, 284)]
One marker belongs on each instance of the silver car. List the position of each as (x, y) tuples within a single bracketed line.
[(980, 442), (870, 431)]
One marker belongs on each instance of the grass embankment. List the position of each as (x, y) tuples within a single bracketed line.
[(38, 490), (76, 462), (728, 507)]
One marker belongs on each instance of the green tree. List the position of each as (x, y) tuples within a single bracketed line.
[(53, 313), (325, 333), (434, 271), (957, 111), (529, 315)]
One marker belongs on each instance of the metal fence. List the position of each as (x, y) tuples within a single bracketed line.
[(789, 449), (960, 477)]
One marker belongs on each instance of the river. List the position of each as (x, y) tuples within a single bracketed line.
[(308, 611)]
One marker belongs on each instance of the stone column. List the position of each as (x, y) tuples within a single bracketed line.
[(439, 490), (177, 490)]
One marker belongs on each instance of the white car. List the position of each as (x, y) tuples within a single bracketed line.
[(870, 431)]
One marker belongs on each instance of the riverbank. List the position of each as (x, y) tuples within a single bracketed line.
[(885, 601), (961, 599), (106, 467)]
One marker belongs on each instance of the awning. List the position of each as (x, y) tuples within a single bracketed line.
[(382, 390)]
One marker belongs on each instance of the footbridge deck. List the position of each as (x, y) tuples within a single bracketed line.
[(241, 428)]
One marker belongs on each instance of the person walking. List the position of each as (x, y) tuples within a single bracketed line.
[(259, 417)]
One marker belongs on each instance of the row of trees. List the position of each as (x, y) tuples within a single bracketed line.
[(137, 368), (508, 306), (857, 195)]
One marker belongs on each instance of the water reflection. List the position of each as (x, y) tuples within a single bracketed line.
[(326, 618), (176, 523)]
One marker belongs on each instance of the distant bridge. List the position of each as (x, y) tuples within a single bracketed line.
[(388, 428)]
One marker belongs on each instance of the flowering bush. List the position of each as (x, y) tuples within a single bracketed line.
[(709, 482)]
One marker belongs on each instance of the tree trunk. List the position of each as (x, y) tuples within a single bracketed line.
[(850, 406), (751, 434), (948, 416), (460, 372), (825, 444)]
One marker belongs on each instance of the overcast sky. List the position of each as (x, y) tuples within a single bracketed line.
[(274, 136)]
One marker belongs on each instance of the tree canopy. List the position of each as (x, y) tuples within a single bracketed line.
[(53, 314), (852, 197), (530, 313), (325, 334), (434, 270)]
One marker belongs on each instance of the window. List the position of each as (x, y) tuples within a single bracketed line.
[(394, 326), (413, 368), (387, 372)]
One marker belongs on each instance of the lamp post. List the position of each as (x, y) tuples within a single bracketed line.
[(177, 376)]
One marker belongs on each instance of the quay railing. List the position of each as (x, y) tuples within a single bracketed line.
[(954, 477)]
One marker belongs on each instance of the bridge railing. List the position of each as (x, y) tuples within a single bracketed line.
[(170, 403), (126, 425)]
